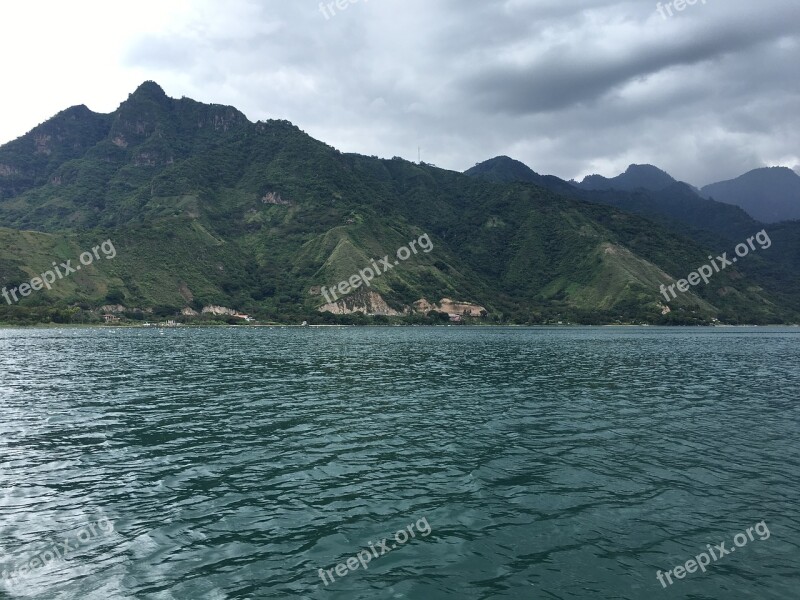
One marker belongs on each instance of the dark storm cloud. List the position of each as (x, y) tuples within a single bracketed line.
[(567, 86), (565, 74)]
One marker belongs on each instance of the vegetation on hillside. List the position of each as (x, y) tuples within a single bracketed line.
[(206, 208)]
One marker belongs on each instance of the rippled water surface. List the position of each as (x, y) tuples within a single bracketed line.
[(549, 463)]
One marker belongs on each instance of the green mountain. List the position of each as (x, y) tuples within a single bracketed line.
[(678, 207), (645, 190), (636, 177), (206, 209), (503, 169)]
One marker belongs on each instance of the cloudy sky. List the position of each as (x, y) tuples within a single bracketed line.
[(570, 87)]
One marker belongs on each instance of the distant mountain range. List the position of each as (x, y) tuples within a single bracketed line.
[(768, 195), (210, 211)]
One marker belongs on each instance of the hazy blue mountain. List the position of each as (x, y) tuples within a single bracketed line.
[(769, 195)]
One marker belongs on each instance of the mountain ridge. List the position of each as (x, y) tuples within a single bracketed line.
[(636, 177), (207, 208)]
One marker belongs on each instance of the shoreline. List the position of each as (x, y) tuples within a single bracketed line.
[(47, 326)]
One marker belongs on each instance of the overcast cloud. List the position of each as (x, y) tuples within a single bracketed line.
[(570, 87)]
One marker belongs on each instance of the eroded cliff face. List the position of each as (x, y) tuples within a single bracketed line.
[(225, 120), (368, 303), (372, 303), (451, 307), (42, 143), (275, 198), (219, 311)]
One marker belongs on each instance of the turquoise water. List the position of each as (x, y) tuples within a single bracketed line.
[(553, 463)]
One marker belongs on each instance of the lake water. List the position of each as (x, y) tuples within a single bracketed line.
[(552, 463)]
